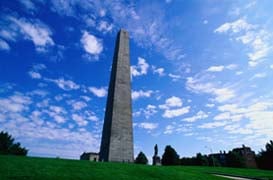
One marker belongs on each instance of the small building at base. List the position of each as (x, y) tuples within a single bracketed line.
[(90, 156)]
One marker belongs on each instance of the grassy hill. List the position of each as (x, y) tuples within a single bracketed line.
[(12, 167)]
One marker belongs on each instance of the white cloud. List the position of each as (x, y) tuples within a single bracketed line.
[(105, 27), (141, 93), (258, 75), (36, 31), (66, 85), (150, 110), (215, 68), (99, 92), (210, 105), (253, 36), (15, 103), (212, 125), (38, 67), (271, 66), (78, 105), (186, 129), (38, 92), (141, 68), (102, 12), (221, 68), (223, 94), (147, 125), (86, 98), (34, 75), (171, 102), (234, 27), (232, 66), (205, 138), (174, 76), (57, 109), (56, 112), (4, 45), (258, 118), (159, 71), (42, 122), (59, 119), (169, 129), (199, 115), (79, 120), (222, 116), (90, 116), (91, 44), (29, 5), (170, 113), (239, 72), (200, 84)]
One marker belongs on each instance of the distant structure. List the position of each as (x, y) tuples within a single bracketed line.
[(117, 134), (221, 158), (91, 156), (156, 158), (248, 155), (245, 152)]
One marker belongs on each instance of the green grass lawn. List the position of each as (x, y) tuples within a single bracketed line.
[(12, 167)]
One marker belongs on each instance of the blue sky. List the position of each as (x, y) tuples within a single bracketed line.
[(201, 73)]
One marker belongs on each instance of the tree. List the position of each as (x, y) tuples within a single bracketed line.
[(234, 159), (141, 158), (7, 145), (170, 157), (264, 158), (201, 160)]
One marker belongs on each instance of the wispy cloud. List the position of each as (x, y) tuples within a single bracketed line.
[(159, 71), (199, 115), (150, 110), (141, 68), (34, 75), (148, 125), (174, 77), (215, 68), (66, 85), (4, 45), (251, 35), (170, 113), (138, 94), (201, 84), (34, 30), (99, 92), (34, 72)]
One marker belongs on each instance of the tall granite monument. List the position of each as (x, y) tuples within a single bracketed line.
[(117, 135)]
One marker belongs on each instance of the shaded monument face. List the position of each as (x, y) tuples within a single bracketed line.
[(117, 135)]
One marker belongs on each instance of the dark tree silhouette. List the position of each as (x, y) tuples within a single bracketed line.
[(234, 159), (7, 145), (170, 157), (141, 158), (201, 160), (265, 157)]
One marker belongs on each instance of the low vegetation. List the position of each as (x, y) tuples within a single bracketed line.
[(17, 167)]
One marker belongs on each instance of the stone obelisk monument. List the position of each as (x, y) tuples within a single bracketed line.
[(117, 135)]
